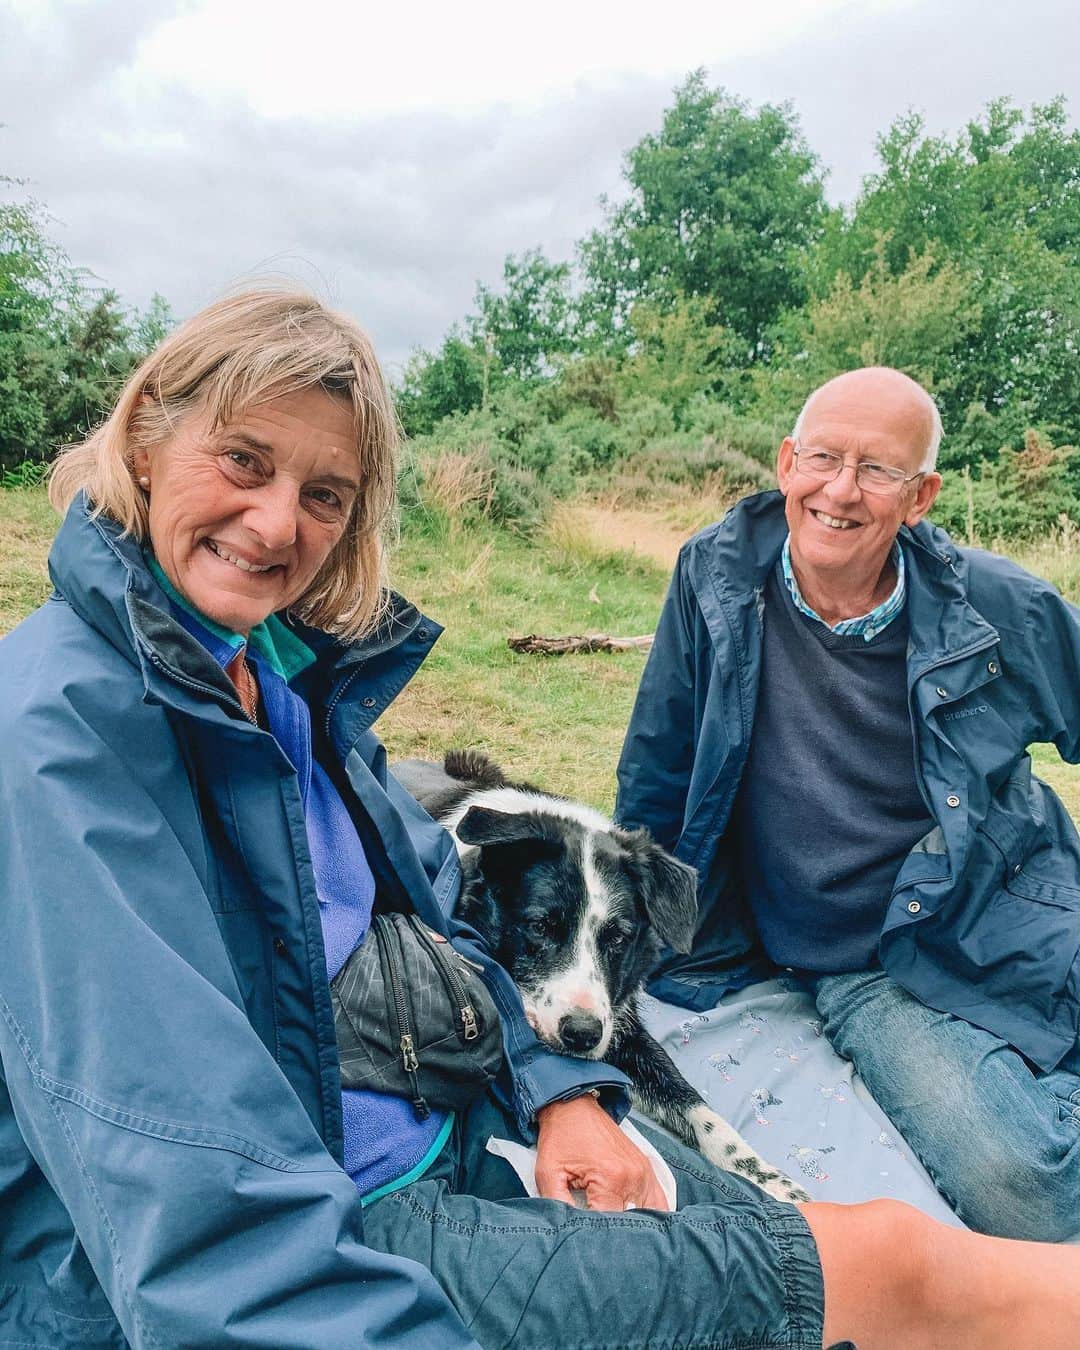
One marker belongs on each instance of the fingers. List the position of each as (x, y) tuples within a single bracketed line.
[(603, 1198), (638, 1190), (602, 1190), (580, 1148), (553, 1184)]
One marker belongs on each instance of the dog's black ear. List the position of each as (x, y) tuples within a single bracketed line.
[(482, 826), (670, 895), (477, 906)]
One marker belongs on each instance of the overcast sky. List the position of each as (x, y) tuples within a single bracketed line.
[(391, 159)]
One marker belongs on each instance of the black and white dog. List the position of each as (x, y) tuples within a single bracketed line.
[(576, 910)]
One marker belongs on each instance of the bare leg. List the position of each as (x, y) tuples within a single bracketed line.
[(894, 1277)]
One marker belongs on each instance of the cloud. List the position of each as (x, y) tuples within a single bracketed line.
[(396, 217)]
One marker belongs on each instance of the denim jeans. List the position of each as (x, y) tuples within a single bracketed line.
[(1000, 1139), (731, 1268)]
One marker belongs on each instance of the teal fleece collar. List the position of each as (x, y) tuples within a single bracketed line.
[(279, 647)]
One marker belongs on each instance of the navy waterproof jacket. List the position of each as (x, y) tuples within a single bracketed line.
[(984, 918), (170, 1102)]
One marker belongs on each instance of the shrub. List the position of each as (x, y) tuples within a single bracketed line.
[(753, 436), (28, 474), (1018, 495), (642, 421)]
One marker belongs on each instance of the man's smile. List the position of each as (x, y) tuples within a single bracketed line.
[(833, 522)]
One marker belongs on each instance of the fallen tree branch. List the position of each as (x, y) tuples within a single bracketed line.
[(590, 642)]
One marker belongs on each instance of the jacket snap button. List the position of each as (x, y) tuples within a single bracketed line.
[(952, 799), (942, 693), (369, 702), (421, 632), (279, 946), (992, 667), (913, 907)]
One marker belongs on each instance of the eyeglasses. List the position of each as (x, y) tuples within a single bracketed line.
[(824, 465)]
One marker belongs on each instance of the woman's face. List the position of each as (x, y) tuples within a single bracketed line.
[(242, 518)]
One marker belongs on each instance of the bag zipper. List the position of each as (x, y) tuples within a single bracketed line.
[(470, 1028), (410, 1060)]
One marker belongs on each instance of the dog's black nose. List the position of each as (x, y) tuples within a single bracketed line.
[(580, 1032)]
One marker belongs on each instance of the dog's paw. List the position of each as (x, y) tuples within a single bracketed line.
[(783, 1188), (727, 1149), (770, 1179)]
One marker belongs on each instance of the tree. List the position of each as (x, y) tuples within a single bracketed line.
[(916, 320), (455, 379), (32, 272), (999, 202), (1003, 173), (722, 204), (517, 333), (65, 345), (530, 321), (95, 347), (674, 352)]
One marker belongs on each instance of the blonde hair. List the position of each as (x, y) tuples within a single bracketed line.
[(249, 348)]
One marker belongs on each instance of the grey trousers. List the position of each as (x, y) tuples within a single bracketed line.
[(732, 1269)]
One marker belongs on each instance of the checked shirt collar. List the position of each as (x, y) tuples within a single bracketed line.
[(867, 626)]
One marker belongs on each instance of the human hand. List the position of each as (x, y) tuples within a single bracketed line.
[(580, 1148)]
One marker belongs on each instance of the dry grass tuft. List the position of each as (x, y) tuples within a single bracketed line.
[(458, 483), (1056, 557)]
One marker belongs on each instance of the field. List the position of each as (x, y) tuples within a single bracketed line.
[(558, 721)]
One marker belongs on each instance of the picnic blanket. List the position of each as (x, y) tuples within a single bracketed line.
[(760, 1059)]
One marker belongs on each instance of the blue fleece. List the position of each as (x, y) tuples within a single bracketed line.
[(385, 1146)]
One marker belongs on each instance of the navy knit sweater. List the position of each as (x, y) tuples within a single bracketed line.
[(828, 806)]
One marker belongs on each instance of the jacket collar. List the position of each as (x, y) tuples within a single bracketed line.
[(741, 550), (104, 575)]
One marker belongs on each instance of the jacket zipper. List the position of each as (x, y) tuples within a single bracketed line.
[(200, 688), (451, 977), (337, 696), (410, 1060)]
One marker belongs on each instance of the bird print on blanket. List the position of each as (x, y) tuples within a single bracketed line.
[(761, 1099), (809, 1160), (686, 1028), (723, 1063)]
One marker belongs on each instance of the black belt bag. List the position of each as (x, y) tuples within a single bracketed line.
[(414, 1019)]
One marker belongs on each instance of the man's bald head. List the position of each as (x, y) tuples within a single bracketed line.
[(902, 405)]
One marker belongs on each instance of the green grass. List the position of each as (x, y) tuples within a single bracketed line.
[(27, 525), (556, 720)]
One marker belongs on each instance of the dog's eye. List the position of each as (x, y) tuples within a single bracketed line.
[(615, 935), (540, 926)]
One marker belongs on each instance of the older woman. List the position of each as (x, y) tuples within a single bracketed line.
[(198, 824)]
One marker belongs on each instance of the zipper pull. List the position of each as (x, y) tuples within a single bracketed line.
[(468, 1021), (408, 1054)]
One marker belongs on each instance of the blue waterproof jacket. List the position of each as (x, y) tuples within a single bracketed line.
[(170, 1101), (984, 919)]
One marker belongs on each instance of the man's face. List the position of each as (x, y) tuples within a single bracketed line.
[(243, 517), (839, 532)]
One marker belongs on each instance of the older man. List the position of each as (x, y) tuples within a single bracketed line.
[(832, 728)]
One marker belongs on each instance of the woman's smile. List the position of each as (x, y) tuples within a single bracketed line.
[(243, 517)]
